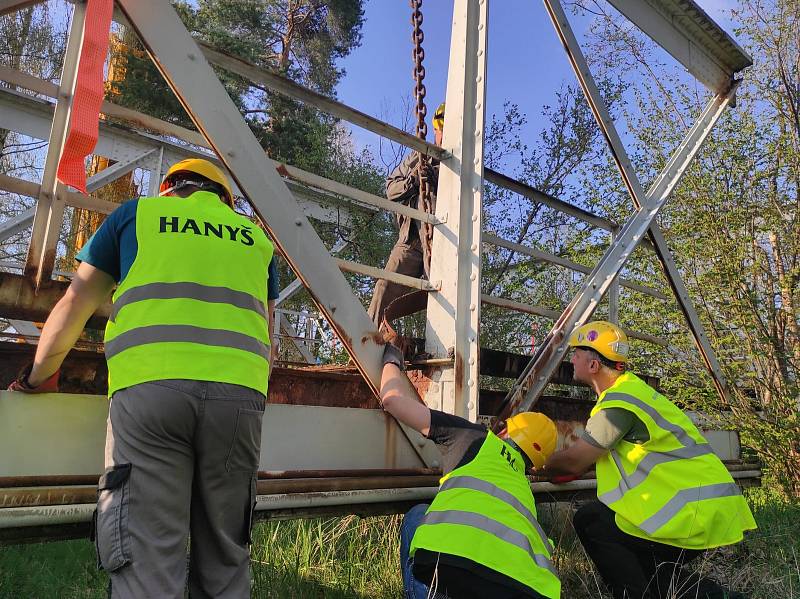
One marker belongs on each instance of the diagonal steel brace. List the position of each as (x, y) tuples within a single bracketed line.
[(590, 90), (537, 373)]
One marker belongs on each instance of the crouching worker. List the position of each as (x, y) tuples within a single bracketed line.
[(188, 351), (664, 497), (479, 538)]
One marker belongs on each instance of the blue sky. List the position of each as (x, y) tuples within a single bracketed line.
[(526, 63)]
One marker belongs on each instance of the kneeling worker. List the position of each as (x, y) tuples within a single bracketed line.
[(479, 537), (664, 496)]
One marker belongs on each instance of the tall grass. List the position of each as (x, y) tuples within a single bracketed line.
[(340, 558), (357, 558)]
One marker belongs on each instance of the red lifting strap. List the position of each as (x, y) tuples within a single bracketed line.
[(84, 125)]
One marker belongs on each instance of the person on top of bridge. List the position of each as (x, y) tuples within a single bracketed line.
[(188, 351), (407, 256), (479, 537), (664, 497)]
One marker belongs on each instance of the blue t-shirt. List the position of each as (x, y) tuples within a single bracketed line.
[(113, 247)]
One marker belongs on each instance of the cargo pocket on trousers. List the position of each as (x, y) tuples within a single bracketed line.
[(246, 444), (110, 520)]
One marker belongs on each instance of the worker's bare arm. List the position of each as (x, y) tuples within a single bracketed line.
[(574, 460), (90, 288), (396, 400)]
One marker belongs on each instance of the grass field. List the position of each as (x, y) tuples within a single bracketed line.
[(355, 558)]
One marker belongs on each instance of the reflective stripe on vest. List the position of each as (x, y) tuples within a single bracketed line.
[(681, 498), (182, 333), (672, 488), (492, 527), (185, 290), (476, 484), (485, 512), (193, 304), (689, 450)]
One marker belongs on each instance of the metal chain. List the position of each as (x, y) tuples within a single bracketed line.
[(423, 162)]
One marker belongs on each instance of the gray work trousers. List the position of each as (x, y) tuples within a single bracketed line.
[(404, 259), (181, 462)]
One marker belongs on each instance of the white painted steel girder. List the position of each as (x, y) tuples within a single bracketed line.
[(64, 433), (50, 206), (18, 223), (119, 169), (454, 313)]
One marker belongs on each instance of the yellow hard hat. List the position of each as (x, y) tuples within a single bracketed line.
[(201, 167), (438, 118), (606, 338), (535, 434)]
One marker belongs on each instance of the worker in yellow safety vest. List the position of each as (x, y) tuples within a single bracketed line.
[(664, 497), (479, 537), (188, 350)]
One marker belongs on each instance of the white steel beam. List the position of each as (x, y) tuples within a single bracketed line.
[(533, 380), (297, 284), (540, 197), (50, 206), (25, 327), (192, 79), (115, 171), (538, 310), (71, 198), (380, 273), (283, 323), (154, 184), (603, 118), (683, 29), (17, 223), (453, 318), (33, 117), (46, 88), (307, 96), (553, 259)]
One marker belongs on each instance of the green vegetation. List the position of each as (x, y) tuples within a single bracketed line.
[(356, 558)]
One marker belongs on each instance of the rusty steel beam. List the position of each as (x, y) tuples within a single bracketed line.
[(19, 299), (361, 472), (70, 495)]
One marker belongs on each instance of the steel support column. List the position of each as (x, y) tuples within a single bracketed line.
[(593, 97), (50, 206), (154, 183), (184, 67), (454, 313), (534, 379)]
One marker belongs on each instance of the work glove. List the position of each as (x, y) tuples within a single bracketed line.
[(50, 385), (393, 355)]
